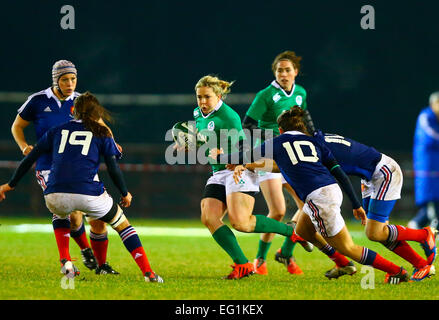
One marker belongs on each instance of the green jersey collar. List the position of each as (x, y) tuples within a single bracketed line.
[(220, 103), (277, 86)]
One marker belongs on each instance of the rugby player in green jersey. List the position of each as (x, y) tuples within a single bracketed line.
[(222, 194), (282, 94)]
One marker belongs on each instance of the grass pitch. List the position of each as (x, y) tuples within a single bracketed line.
[(192, 265)]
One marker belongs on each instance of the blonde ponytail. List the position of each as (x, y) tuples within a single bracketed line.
[(219, 87)]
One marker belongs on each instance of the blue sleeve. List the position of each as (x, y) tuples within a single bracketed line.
[(27, 110), (346, 185), (116, 174), (25, 165), (327, 158), (109, 148)]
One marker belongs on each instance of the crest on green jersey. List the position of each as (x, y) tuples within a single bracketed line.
[(211, 126), (299, 100)]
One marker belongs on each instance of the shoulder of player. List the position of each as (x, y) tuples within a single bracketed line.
[(267, 92), (196, 113), (38, 96), (228, 113), (35, 100)]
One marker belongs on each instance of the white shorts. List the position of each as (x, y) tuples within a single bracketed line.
[(323, 207), (386, 182), (248, 183), (263, 176), (62, 204)]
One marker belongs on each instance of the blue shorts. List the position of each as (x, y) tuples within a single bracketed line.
[(378, 210)]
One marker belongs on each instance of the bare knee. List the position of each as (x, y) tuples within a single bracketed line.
[(98, 226), (277, 214), (242, 223), (376, 234), (75, 220), (347, 249), (243, 226), (211, 213), (208, 219)]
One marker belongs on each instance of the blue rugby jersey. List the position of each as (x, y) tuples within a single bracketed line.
[(426, 157), (354, 158), (45, 110), (301, 160), (75, 154)]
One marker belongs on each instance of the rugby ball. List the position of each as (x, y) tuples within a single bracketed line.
[(185, 134)]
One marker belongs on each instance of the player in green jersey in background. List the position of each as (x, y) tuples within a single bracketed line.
[(222, 194), (282, 94)]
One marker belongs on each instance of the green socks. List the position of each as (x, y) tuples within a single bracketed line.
[(263, 249), (227, 240), (268, 225), (287, 248)]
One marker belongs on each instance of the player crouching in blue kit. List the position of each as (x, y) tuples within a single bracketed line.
[(76, 148), (310, 167), (381, 184)]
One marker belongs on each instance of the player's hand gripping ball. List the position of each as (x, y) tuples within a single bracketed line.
[(185, 135)]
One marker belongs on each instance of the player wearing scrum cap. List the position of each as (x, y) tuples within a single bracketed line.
[(79, 145), (46, 109)]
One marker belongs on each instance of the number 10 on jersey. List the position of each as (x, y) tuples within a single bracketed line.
[(298, 145)]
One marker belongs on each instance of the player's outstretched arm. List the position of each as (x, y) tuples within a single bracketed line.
[(117, 178), (25, 165), (346, 185)]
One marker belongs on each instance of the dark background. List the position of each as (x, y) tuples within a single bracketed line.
[(365, 84)]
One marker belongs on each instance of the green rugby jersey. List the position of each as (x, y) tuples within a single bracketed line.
[(222, 117), (271, 101)]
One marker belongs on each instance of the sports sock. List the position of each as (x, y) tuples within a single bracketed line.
[(80, 237), (287, 248), (339, 259), (227, 240), (268, 225), (403, 233), (405, 251), (371, 258), (263, 249), (132, 242), (61, 228), (99, 244)]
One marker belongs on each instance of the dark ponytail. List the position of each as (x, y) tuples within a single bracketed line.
[(292, 120), (88, 109)]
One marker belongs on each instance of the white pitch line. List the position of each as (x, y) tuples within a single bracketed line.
[(143, 231)]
